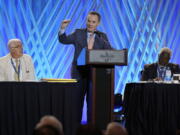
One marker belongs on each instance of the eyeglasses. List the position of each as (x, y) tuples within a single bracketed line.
[(15, 47)]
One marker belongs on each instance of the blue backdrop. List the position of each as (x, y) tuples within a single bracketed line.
[(142, 26)]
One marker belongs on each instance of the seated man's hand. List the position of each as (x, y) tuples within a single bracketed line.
[(157, 79)]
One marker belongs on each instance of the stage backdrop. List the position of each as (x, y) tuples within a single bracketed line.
[(141, 26)]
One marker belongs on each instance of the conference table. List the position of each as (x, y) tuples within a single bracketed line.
[(152, 108), (22, 104)]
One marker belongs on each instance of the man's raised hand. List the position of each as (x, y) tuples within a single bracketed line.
[(65, 23)]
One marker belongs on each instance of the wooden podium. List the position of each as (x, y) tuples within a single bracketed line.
[(101, 65)]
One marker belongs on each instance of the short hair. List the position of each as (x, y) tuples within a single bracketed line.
[(114, 128), (44, 130), (95, 13), (52, 121), (178, 132), (12, 41), (165, 50)]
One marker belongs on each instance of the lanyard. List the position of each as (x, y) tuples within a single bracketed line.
[(161, 72), (14, 67)]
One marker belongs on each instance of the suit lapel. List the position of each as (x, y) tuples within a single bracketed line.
[(9, 69), (155, 72), (84, 38), (97, 44)]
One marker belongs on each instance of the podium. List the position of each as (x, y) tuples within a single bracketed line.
[(100, 64)]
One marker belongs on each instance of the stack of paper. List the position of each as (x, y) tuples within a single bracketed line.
[(59, 80)]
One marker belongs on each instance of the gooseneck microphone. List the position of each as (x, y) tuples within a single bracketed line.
[(98, 33), (102, 37)]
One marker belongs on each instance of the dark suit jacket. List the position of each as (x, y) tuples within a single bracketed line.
[(150, 71), (79, 40)]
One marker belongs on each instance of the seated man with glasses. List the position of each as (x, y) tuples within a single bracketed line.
[(16, 66)]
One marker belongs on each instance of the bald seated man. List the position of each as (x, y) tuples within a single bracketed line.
[(49, 125), (16, 66), (115, 128)]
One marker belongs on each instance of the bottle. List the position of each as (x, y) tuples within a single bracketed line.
[(168, 76)]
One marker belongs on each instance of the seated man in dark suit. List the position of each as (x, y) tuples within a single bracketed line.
[(89, 38), (158, 71)]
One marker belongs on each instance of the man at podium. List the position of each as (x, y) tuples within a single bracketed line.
[(89, 38)]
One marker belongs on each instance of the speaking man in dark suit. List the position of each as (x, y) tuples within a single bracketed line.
[(157, 71), (89, 38)]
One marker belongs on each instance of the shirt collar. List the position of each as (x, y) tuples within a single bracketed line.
[(88, 34)]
